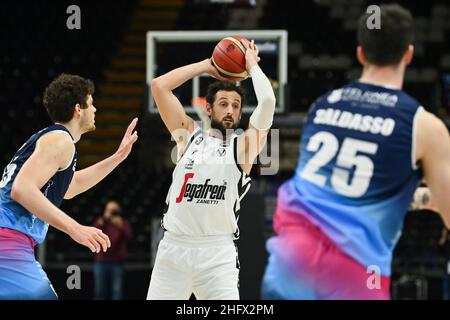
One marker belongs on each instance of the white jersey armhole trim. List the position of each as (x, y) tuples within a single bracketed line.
[(190, 140), (413, 139), (73, 155), (244, 174), (234, 140)]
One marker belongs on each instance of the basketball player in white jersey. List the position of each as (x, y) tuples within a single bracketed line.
[(197, 253)]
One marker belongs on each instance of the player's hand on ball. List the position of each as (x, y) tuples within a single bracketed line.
[(211, 70), (91, 237), (128, 139), (251, 55)]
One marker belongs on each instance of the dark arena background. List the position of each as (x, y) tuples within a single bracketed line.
[(41, 39)]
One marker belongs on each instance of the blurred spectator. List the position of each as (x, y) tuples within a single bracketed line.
[(108, 267), (444, 243)]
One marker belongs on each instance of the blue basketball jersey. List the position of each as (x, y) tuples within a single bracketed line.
[(357, 173), (12, 214)]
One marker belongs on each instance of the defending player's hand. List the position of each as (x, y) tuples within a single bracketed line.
[(129, 138), (91, 237)]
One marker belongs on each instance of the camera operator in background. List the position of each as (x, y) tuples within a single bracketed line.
[(108, 267)]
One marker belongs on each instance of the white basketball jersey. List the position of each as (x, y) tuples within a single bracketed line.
[(207, 187)]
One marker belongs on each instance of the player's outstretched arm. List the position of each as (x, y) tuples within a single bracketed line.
[(54, 151), (433, 150), (87, 178), (179, 124), (251, 143)]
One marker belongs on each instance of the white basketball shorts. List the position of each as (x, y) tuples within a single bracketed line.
[(208, 267)]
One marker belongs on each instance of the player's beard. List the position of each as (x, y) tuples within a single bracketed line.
[(219, 125)]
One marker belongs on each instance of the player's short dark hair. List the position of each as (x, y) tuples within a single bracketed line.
[(64, 93), (225, 86), (386, 45)]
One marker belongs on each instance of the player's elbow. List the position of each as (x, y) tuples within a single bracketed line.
[(17, 191), (157, 85)]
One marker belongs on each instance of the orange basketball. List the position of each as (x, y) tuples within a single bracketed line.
[(229, 58)]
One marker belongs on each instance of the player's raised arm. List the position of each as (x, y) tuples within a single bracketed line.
[(53, 152), (251, 143), (169, 107), (433, 150), (87, 178)]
